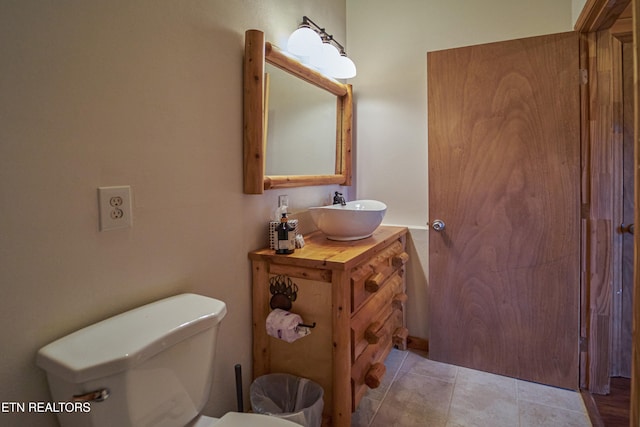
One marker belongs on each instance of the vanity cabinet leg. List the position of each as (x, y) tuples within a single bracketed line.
[(261, 350), (400, 338), (341, 349)]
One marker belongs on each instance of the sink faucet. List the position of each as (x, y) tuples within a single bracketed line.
[(339, 199)]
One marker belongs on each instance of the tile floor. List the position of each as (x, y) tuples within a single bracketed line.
[(419, 392)]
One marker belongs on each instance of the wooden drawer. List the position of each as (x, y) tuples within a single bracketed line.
[(368, 278), (372, 359), (367, 324)]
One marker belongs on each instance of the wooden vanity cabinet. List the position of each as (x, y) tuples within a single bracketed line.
[(355, 293)]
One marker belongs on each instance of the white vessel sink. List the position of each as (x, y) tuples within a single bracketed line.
[(356, 220)]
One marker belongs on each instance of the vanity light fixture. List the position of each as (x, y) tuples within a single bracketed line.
[(315, 47)]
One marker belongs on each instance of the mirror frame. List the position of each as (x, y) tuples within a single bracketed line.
[(256, 53)]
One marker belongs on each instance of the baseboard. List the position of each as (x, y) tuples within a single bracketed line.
[(592, 409), (416, 343)]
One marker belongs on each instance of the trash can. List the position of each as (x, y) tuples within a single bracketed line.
[(287, 396)]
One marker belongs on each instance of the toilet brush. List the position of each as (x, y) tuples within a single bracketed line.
[(238, 368)]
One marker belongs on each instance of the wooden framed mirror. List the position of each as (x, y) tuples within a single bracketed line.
[(256, 98)]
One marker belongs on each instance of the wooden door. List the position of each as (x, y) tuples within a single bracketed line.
[(622, 310), (635, 352), (504, 176)]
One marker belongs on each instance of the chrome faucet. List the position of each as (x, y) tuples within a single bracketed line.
[(339, 199)]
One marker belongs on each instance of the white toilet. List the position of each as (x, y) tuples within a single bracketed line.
[(151, 366)]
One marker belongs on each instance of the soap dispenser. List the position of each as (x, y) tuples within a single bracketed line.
[(274, 224), (283, 207)]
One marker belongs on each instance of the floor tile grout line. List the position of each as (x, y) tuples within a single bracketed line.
[(521, 400), (546, 405), (393, 379), (559, 408), (518, 403), (453, 390)]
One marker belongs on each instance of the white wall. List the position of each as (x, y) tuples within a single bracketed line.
[(576, 9), (389, 42), (146, 93)]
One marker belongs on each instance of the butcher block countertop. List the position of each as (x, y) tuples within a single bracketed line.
[(322, 253)]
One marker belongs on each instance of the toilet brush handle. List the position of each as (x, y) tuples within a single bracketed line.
[(238, 368)]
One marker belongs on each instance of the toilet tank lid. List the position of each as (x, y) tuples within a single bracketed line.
[(123, 341)]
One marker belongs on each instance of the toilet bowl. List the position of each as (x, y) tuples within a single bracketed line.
[(151, 366)]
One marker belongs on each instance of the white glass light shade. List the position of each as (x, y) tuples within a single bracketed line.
[(316, 59), (344, 68), (330, 57), (305, 43)]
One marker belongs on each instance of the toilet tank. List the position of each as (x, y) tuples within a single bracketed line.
[(155, 364)]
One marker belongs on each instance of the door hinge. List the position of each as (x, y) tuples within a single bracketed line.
[(584, 76), (584, 344)]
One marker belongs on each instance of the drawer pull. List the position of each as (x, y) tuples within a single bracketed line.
[(399, 338), (400, 260), (374, 375), (373, 283), (373, 333), (399, 300)]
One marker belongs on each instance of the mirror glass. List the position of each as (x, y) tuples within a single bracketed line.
[(300, 122)]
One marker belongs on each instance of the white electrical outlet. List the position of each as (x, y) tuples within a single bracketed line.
[(115, 207)]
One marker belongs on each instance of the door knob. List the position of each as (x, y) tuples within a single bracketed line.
[(626, 228), (438, 225)]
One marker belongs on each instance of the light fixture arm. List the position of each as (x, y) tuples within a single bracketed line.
[(313, 45), (326, 37)]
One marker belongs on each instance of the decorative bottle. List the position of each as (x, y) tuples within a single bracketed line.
[(286, 243)]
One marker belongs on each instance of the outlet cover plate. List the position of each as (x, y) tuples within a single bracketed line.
[(114, 204)]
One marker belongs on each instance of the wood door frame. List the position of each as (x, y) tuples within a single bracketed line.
[(635, 361), (596, 17), (602, 178), (599, 14)]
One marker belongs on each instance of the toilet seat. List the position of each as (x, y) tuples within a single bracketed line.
[(237, 419)]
